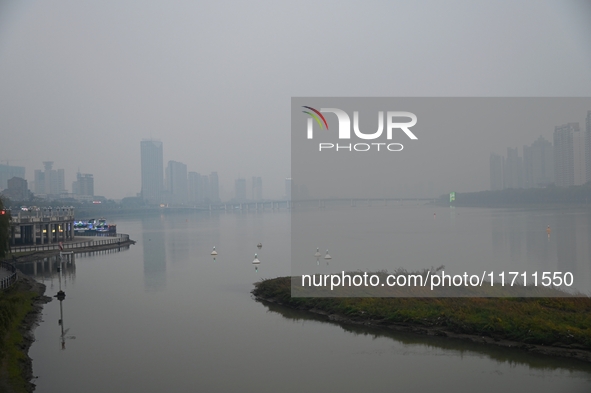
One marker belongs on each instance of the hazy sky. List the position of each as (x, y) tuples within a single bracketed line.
[(82, 83)]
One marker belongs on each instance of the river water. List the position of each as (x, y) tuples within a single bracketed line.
[(163, 315)]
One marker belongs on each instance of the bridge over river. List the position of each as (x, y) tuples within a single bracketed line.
[(289, 204)]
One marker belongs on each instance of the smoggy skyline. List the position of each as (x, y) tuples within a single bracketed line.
[(82, 83)]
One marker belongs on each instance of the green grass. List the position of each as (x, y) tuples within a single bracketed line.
[(15, 304), (564, 321)]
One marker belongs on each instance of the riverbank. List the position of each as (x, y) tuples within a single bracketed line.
[(20, 311), (550, 326)]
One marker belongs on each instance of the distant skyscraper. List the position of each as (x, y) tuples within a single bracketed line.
[(214, 187), (84, 185), (588, 147), (538, 163), (496, 172), (194, 187), (513, 170), (50, 181), (240, 190), (60, 182), (205, 188), (152, 170), (288, 188), (579, 158), (176, 181), (257, 188), (39, 182), (564, 163), (17, 189), (8, 172)]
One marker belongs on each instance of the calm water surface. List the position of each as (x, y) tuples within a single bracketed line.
[(164, 316)]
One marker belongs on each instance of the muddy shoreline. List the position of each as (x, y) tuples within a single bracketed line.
[(567, 352)]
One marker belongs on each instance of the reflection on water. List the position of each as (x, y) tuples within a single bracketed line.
[(47, 272), (154, 247), (566, 249), (471, 240)]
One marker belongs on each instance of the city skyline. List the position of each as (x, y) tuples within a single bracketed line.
[(80, 87), (564, 162)]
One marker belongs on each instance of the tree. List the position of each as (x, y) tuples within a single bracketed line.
[(4, 229)]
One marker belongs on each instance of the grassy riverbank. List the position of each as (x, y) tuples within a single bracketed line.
[(19, 308), (557, 322)]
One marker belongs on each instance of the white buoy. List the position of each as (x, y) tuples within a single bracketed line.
[(327, 256), (317, 254), (256, 260), (214, 252)]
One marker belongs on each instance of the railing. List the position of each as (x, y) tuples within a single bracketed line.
[(9, 280), (120, 238)]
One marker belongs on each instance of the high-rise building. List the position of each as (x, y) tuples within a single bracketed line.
[(84, 185), (214, 187), (60, 182), (152, 170), (496, 172), (257, 188), (564, 163), (50, 181), (176, 182), (194, 187), (39, 182), (205, 189), (538, 163), (17, 189), (240, 190), (8, 172), (288, 188), (588, 147), (513, 169), (579, 158)]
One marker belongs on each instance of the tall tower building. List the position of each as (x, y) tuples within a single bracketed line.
[(39, 182), (579, 157), (152, 170), (588, 147), (8, 172), (538, 163), (257, 188), (513, 170), (176, 181), (496, 172), (288, 188), (84, 185), (564, 162), (240, 189), (194, 187), (205, 189), (50, 181), (214, 187)]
